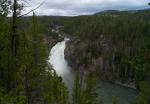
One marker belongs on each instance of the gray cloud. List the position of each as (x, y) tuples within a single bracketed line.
[(82, 7)]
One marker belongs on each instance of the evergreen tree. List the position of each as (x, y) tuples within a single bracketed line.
[(114, 100), (90, 94), (144, 95), (84, 91), (77, 90)]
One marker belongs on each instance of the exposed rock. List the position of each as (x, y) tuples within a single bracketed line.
[(52, 41)]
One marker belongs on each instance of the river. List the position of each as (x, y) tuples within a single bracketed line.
[(106, 90)]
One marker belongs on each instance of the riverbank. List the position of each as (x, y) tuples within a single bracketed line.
[(130, 85)]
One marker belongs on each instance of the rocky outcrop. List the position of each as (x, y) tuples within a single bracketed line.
[(54, 36), (50, 41)]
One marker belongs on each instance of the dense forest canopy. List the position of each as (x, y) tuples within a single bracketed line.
[(120, 39)]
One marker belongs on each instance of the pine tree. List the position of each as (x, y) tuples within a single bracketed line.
[(114, 100), (77, 90), (90, 94), (144, 95), (23, 75), (84, 91), (55, 91)]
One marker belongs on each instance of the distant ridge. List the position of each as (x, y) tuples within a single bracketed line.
[(117, 12)]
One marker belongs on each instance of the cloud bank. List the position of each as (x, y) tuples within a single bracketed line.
[(83, 7)]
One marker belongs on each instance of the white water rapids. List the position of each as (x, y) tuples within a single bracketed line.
[(57, 60)]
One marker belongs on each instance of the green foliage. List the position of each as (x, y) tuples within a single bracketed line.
[(90, 94), (55, 91), (115, 38), (122, 41), (84, 91), (114, 100), (141, 64), (4, 7), (144, 95), (77, 90), (28, 82), (35, 68), (5, 72), (6, 98)]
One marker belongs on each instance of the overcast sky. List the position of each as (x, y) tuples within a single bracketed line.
[(83, 7)]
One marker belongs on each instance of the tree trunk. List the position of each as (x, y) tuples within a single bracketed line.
[(13, 31), (27, 94)]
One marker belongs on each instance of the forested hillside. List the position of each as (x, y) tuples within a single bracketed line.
[(109, 46), (115, 39), (114, 46)]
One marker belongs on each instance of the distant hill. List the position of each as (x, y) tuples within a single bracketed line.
[(117, 12), (108, 12)]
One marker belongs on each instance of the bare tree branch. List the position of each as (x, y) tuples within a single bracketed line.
[(26, 2), (33, 9)]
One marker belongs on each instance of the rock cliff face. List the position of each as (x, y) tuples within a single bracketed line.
[(87, 53), (50, 41), (54, 36), (70, 53), (100, 57)]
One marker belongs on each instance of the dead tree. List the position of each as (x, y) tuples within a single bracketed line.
[(14, 30)]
